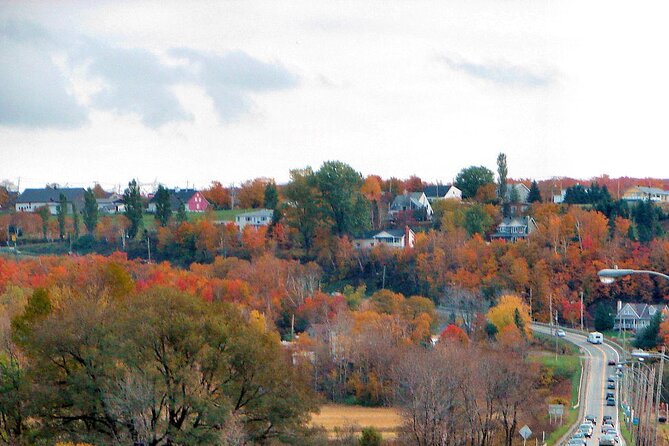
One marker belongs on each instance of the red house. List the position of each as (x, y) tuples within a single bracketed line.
[(191, 199)]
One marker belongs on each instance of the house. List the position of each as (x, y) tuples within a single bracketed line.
[(640, 193), (112, 204), (515, 228), (261, 217), (559, 198), (441, 192), (32, 199), (393, 238), (412, 201), (523, 193), (191, 199), (636, 316)]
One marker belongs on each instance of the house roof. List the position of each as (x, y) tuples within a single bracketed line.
[(404, 200), (651, 190), (515, 221), (259, 213), (642, 310), (436, 191), (51, 195), (178, 197), (399, 233)]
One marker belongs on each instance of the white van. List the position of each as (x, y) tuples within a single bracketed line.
[(595, 338)]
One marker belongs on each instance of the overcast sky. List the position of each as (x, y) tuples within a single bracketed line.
[(197, 91)]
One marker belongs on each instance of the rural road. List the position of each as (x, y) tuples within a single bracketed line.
[(594, 399)]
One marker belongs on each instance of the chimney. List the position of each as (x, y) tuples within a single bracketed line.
[(407, 238)]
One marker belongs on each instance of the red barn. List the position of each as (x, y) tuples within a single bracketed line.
[(191, 199)]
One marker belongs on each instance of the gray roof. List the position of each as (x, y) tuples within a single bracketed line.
[(642, 310), (436, 191), (652, 190), (406, 201), (399, 233), (52, 195)]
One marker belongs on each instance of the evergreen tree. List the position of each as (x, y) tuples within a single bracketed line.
[(604, 319), (518, 320), (514, 196), (90, 211), (163, 206), (534, 195), (271, 196), (182, 216), (649, 337), (502, 172), (133, 207), (75, 221), (62, 213), (44, 213)]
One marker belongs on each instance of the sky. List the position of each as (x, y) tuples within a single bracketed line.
[(184, 93)]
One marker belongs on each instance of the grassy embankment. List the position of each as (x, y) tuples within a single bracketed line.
[(332, 417), (567, 367)]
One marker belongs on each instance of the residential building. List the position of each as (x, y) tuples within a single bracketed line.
[(112, 204), (640, 193), (393, 238), (636, 316), (442, 192), (515, 228), (411, 201), (559, 198), (191, 199), (261, 217), (32, 199), (522, 191)]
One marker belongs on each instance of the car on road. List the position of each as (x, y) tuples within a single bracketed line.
[(611, 402), (560, 333), (590, 419), (607, 419), (611, 386), (586, 428), (595, 338), (614, 434), (577, 442), (606, 427), (609, 395), (612, 362), (611, 379), (607, 440)]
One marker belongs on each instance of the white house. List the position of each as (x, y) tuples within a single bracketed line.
[(32, 199), (261, 217), (113, 204), (411, 201), (393, 238), (640, 193), (441, 192), (636, 316)]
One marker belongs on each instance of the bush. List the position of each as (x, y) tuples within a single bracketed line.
[(370, 437)]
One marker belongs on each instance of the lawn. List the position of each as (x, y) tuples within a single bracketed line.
[(385, 419)]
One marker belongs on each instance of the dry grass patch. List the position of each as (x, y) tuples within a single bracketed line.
[(384, 419)]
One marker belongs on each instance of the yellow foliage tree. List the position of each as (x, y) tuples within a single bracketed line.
[(504, 313)]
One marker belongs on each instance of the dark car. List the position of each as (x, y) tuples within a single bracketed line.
[(611, 379), (607, 419), (611, 386), (612, 362), (609, 395), (611, 402)]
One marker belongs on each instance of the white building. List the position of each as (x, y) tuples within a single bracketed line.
[(393, 238), (441, 192), (261, 217)]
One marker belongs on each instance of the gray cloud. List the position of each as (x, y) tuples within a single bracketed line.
[(229, 79), (34, 91), (500, 73)]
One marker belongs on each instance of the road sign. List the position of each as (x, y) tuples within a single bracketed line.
[(556, 409), (525, 432)]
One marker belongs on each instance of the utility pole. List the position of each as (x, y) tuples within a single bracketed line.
[(550, 311), (383, 282), (531, 319), (660, 375), (581, 310), (148, 246), (556, 338)]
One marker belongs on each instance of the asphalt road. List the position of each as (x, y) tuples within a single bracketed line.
[(594, 399)]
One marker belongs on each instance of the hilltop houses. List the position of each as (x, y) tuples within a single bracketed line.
[(32, 199), (392, 238), (513, 229), (415, 202), (191, 199)]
